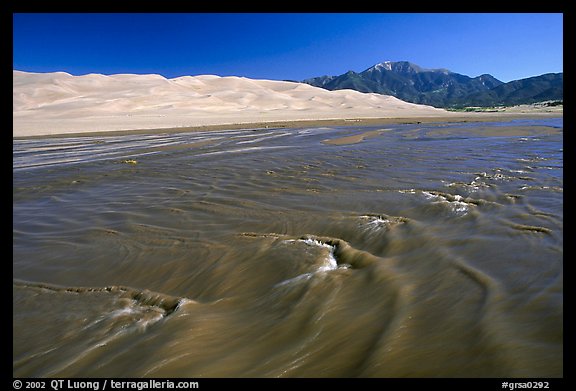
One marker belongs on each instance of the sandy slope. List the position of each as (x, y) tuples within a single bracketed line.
[(50, 103)]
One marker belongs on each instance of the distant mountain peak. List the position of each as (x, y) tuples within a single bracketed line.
[(381, 65), (402, 67)]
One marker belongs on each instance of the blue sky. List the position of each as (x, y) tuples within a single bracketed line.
[(287, 46)]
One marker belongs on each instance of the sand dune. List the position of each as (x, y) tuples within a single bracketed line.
[(51, 103)]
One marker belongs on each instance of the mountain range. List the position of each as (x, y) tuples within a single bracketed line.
[(443, 88)]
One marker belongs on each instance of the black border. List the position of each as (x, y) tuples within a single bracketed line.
[(167, 6)]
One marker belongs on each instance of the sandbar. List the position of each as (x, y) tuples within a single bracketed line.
[(498, 131), (354, 139)]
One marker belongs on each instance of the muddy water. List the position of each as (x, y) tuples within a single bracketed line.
[(402, 251)]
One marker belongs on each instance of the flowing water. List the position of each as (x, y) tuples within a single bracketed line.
[(416, 250)]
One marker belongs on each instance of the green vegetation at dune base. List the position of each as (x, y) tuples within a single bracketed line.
[(494, 109)]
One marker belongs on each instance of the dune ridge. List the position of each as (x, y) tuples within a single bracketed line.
[(56, 103)]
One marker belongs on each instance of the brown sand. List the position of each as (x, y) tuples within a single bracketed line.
[(499, 131), (475, 117), (354, 139)]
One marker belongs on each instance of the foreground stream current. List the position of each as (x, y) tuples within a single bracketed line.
[(417, 250)]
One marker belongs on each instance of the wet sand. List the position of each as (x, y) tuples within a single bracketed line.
[(358, 122), (354, 139), (500, 131)]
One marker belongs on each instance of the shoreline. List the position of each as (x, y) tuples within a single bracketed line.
[(291, 124)]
